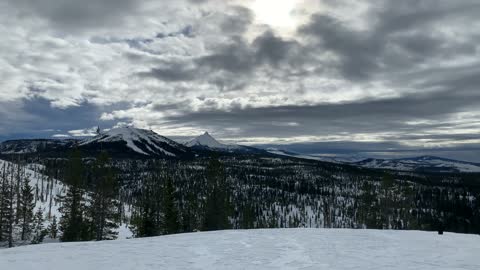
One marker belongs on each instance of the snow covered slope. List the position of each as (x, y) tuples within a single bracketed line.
[(424, 163), (258, 249), (46, 191), (133, 140)]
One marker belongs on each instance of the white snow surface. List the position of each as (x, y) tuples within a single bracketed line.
[(131, 135), (258, 249), (207, 140)]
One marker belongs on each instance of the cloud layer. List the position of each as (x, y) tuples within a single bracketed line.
[(394, 71)]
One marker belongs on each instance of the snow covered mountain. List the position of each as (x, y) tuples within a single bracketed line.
[(258, 249), (208, 143), (423, 163), (126, 141), (34, 146)]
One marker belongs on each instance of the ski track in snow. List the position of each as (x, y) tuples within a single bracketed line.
[(259, 249)]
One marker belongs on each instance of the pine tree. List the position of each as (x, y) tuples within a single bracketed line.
[(39, 231), (4, 188), (170, 211), (387, 183), (217, 205), (72, 206), (146, 219), (103, 208), (53, 228), (27, 204), (7, 203)]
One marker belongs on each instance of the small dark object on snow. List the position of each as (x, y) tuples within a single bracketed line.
[(441, 227)]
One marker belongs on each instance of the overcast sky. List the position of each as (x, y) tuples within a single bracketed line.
[(398, 74)]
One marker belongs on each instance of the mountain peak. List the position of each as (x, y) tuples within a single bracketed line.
[(206, 140), (142, 141)]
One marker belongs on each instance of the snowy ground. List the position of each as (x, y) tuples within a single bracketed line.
[(259, 249)]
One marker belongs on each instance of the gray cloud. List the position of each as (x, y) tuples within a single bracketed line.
[(232, 62), (399, 35), (77, 15), (375, 116)]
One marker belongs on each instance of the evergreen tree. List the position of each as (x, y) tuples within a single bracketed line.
[(103, 208), (146, 220), (387, 184), (217, 205), (4, 188), (170, 211), (27, 204), (39, 231), (53, 228), (72, 203), (7, 211)]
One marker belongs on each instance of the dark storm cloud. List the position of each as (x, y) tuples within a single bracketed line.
[(240, 57), (234, 61), (40, 120), (237, 22), (358, 117), (235, 57), (400, 34), (77, 15), (171, 72)]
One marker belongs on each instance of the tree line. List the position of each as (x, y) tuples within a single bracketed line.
[(19, 222)]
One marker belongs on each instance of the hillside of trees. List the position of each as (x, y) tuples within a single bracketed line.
[(94, 197)]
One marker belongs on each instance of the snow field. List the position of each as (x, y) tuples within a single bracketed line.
[(258, 249)]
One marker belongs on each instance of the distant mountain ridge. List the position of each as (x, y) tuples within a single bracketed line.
[(422, 163), (29, 146), (414, 164), (130, 142)]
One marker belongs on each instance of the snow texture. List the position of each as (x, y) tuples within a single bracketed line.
[(258, 249)]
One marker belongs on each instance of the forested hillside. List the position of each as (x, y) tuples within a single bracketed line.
[(93, 198)]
